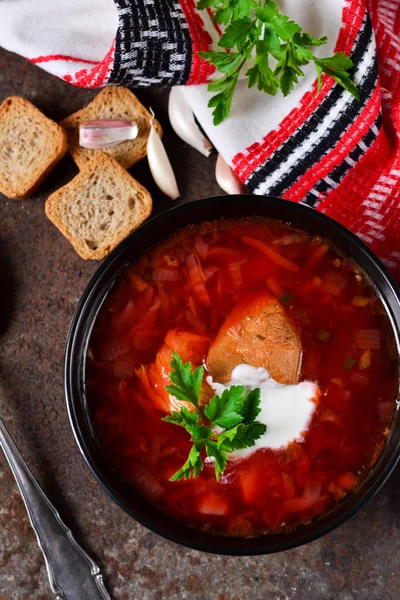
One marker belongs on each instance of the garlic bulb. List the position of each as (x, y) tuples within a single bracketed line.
[(160, 165), (183, 123), (105, 133), (227, 179)]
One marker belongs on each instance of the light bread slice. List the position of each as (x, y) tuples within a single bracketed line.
[(30, 147), (99, 207), (113, 102)]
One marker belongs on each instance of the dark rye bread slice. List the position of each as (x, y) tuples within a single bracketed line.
[(113, 102), (30, 147), (99, 207)]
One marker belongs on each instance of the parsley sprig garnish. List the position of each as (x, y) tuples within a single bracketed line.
[(256, 28), (234, 412)]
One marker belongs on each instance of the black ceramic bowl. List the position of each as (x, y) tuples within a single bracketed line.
[(103, 281)]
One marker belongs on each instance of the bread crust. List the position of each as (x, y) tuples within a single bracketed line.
[(101, 164), (59, 139)]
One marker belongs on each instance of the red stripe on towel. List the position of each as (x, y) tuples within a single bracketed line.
[(50, 57), (338, 153), (201, 70), (96, 77)]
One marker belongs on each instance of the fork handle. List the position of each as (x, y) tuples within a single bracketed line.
[(72, 573)]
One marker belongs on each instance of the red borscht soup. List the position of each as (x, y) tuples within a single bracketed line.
[(257, 292)]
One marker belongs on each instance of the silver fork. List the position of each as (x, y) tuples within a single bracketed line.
[(72, 573)]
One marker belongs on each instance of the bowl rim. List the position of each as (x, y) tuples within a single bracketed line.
[(199, 540)]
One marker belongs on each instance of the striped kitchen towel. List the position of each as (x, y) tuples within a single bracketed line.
[(328, 150)]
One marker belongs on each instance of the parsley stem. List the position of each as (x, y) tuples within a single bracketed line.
[(201, 415)]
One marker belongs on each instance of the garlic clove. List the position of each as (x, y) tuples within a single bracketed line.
[(160, 165), (105, 133), (183, 123), (227, 179)]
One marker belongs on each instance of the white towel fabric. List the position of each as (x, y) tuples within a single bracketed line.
[(62, 36)]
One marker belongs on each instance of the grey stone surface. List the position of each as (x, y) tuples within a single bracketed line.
[(41, 279)]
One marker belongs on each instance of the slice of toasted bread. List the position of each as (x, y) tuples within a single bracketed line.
[(113, 102), (30, 147), (99, 207)]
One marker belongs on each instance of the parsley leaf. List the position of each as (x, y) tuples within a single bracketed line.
[(245, 436), (187, 384), (197, 431), (336, 67), (307, 40), (251, 406), (224, 62), (203, 4), (184, 417), (236, 34), (193, 465), (261, 74), (231, 64), (242, 7), (224, 410), (224, 10), (234, 412), (340, 61), (220, 457), (283, 26), (256, 30), (223, 101)]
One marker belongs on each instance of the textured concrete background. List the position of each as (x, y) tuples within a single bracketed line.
[(41, 279)]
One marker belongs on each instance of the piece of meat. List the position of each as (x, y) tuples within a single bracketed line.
[(257, 332), (155, 376)]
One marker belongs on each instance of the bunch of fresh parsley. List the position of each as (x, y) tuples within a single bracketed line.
[(257, 28), (234, 412)]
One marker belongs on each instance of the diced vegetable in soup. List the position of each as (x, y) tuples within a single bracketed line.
[(242, 376)]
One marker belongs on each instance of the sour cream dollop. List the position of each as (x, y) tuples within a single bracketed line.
[(286, 410)]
